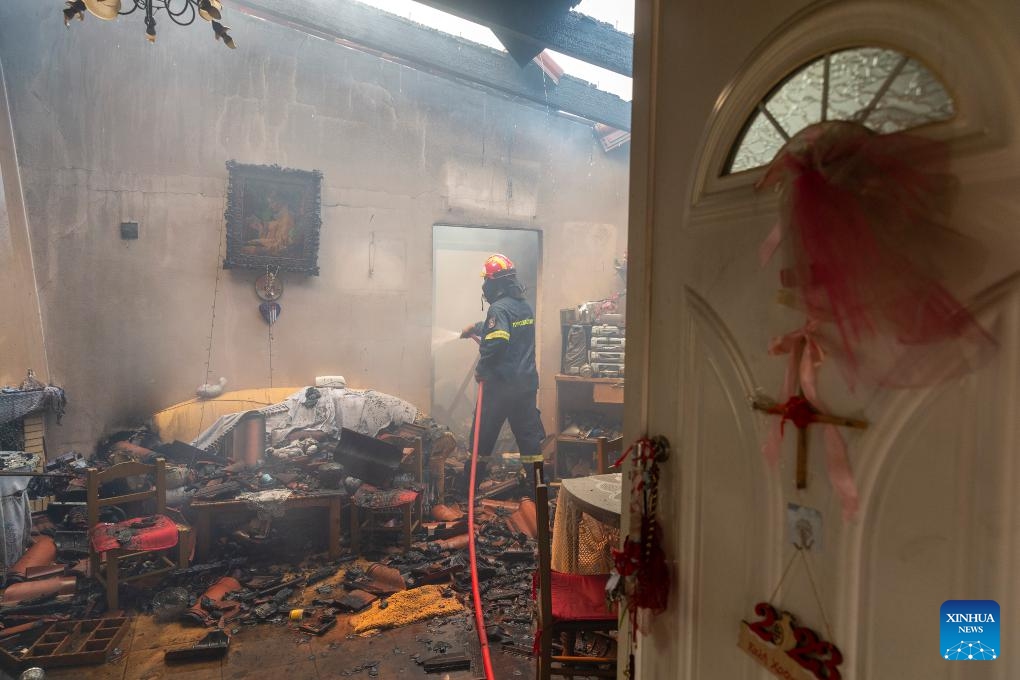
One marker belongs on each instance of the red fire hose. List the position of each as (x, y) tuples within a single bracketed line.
[(483, 638)]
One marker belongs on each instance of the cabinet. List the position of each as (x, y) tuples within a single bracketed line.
[(592, 402)]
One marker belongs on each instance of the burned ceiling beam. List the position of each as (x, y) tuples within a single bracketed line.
[(425, 49), (526, 32)]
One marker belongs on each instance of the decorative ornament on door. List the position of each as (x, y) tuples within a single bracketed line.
[(777, 641), (863, 224), (640, 578), (787, 649), (801, 412)]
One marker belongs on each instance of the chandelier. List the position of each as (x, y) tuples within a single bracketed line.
[(181, 12)]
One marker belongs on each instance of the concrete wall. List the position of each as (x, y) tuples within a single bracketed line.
[(110, 129), (21, 337)]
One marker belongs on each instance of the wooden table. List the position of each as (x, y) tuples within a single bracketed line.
[(204, 511), (599, 497)]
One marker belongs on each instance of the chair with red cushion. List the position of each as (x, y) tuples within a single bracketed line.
[(567, 604), (112, 543)]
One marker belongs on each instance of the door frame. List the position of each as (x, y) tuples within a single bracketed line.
[(538, 282)]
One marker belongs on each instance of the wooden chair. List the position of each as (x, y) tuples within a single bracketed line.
[(607, 451), (108, 572), (567, 604), (370, 520)]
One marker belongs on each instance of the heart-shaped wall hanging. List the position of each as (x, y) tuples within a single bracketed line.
[(270, 311)]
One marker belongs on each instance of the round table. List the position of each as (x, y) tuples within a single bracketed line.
[(587, 524)]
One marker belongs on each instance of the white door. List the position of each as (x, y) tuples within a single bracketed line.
[(937, 471)]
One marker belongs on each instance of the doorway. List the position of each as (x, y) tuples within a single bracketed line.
[(458, 253)]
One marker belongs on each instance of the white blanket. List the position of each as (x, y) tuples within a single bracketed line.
[(364, 411)]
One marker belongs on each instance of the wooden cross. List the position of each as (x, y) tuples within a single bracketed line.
[(798, 410)]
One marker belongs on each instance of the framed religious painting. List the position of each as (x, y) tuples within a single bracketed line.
[(273, 218)]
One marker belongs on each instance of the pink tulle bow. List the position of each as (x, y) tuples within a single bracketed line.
[(863, 222)]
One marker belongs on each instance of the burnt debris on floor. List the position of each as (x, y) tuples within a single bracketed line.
[(259, 552)]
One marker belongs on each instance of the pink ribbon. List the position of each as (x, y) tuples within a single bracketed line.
[(806, 357), (768, 247)]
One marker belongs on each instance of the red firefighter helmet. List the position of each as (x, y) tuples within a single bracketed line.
[(498, 265)]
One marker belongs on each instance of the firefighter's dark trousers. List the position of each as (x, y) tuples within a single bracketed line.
[(500, 403)]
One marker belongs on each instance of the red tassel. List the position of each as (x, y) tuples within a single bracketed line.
[(642, 562)]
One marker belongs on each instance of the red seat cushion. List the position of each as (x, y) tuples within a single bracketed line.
[(155, 532), (577, 597)]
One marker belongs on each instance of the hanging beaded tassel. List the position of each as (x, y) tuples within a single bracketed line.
[(642, 575)]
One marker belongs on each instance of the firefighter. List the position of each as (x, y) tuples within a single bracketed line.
[(506, 366)]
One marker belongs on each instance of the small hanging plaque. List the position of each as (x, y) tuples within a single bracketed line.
[(786, 649)]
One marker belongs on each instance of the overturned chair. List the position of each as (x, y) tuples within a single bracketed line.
[(568, 604), (111, 544)]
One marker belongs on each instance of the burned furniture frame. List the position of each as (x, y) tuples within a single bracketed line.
[(607, 451), (69, 643), (331, 501), (380, 459), (108, 572), (368, 523)]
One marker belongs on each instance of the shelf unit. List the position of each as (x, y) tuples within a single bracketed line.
[(69, 643), (594, 395)]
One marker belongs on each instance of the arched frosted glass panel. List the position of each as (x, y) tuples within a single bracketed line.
[(798, 103), (763, 141), (914, 98), (855, 77), (883, 89)]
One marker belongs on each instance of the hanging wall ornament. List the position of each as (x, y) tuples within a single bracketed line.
[(778, 642), (786, 649), (270, 311), (801, 406), (864, 226), (269, 288), (640, 578)]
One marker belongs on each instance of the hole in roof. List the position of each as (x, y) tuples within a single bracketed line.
[(618, 14)]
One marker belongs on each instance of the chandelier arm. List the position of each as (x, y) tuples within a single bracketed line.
[(185, 16), (138, 4), (175, 16), (150, 21)]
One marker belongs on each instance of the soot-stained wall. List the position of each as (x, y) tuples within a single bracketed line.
[(110, 128)]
